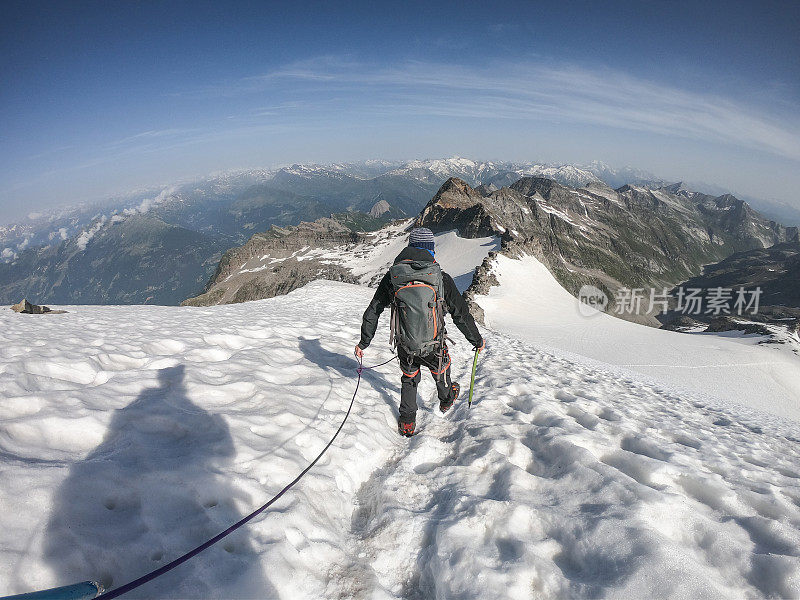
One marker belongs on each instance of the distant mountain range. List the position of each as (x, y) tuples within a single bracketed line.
[(109, 253)]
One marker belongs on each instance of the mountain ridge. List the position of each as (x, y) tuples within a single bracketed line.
[(593, 235)]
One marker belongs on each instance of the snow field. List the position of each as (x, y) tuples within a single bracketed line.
[(563, 481), (531, 305), (130, 434)]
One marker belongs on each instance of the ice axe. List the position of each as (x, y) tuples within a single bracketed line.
[(472, 378)]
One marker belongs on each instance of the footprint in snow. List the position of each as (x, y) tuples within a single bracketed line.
[(640, 445), (686, 440), (565, 396), (609, 414), (584, 419)]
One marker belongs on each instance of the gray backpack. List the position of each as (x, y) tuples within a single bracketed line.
[(418, 307)]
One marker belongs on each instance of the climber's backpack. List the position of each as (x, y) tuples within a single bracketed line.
[(418, 307)]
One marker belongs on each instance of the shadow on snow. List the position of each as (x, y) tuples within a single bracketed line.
[(152, 490)]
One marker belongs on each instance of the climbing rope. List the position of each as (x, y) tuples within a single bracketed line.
[(124, 589)]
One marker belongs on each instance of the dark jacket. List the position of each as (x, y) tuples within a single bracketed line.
[(456, 306)]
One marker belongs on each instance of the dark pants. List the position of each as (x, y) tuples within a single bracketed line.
[(410, 365)]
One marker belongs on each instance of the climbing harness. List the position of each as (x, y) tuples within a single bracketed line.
[(90, 589)]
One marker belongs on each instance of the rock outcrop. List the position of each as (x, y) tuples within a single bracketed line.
[(379, 208), (34, 309)]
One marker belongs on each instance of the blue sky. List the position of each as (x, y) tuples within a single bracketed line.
[(99, 98)]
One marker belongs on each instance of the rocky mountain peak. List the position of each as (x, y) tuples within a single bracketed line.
[(629, 188), (455, 192), (458, 206), (673, 188), (485, 189), (529, 186), (273, 257)]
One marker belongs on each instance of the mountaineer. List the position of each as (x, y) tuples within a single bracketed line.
[(420, 294)]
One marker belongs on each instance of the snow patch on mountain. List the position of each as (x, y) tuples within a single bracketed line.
[(458, 256)]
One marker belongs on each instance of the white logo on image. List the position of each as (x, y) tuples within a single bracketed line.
[(591, 300)]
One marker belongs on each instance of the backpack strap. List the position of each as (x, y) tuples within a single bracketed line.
[(393, 326)]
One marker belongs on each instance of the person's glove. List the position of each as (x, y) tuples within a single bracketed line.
[(482, 346), (358, 352)]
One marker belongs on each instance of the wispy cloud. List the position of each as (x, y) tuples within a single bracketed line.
[(323, 102), (152, 135), (536, 91)]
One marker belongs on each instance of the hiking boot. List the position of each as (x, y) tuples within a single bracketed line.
[(444, 405), (406, 429)]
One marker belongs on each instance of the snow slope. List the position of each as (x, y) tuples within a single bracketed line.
[(530, 304), (458, 256), (130, 434)]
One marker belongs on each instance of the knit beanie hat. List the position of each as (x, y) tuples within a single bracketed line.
[(421, 237)]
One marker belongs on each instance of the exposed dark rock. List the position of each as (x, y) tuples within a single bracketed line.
[(289, 276), (282, 241), (775, 270), (683, 323), (482, 281), (486, 189), (726, 323)]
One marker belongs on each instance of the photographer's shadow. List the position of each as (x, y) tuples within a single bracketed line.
[(152, 490)]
